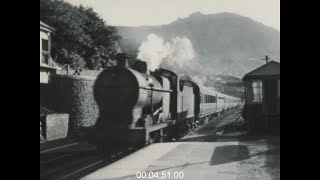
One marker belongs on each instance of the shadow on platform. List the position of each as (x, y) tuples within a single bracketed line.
[(228, 154)]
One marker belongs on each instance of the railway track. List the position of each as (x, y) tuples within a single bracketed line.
[(76, 159), (59, 144)]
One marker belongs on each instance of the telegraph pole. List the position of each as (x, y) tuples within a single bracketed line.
[(267, 58)]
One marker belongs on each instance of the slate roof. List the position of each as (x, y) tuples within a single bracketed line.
[(45, 27), (267, 71)]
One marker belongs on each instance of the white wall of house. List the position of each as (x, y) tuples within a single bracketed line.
[(44, 74)]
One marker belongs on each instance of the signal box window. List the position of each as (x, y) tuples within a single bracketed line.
[(254, 92), (257, 91)]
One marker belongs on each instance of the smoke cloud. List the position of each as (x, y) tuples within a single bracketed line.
[(178, 51), (199, 79)]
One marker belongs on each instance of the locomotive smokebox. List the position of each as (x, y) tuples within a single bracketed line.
[(124, 95)]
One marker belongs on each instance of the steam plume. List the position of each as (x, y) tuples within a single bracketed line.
[(155, 51)]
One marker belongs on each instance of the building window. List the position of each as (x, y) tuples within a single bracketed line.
[(45, 51), (257, 91)]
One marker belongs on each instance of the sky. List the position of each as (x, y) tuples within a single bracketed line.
[(159, 12)]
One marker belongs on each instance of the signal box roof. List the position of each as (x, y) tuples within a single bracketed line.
[(267, 71)]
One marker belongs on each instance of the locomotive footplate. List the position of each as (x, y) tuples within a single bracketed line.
[(144, 133)]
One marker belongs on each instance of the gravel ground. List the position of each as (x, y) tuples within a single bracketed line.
[(263, 158)]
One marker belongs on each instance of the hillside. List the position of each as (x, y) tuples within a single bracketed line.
[(224, 44)]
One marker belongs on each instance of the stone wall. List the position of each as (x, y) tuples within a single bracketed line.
[(74, 95)]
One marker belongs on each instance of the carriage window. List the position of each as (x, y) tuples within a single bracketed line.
[(213, 99), (208, 99)]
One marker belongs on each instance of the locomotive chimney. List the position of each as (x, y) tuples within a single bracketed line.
[(122, 60)]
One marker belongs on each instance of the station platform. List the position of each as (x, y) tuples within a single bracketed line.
[(242, 159)]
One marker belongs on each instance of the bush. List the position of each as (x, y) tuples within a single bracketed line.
[(74, 60)]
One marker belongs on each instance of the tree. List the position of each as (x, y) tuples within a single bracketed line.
[(81, 38)]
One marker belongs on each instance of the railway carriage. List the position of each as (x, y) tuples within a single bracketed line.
[(220, 102), (208, 104)]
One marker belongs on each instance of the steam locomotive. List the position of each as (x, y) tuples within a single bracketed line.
[(141, 107)]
